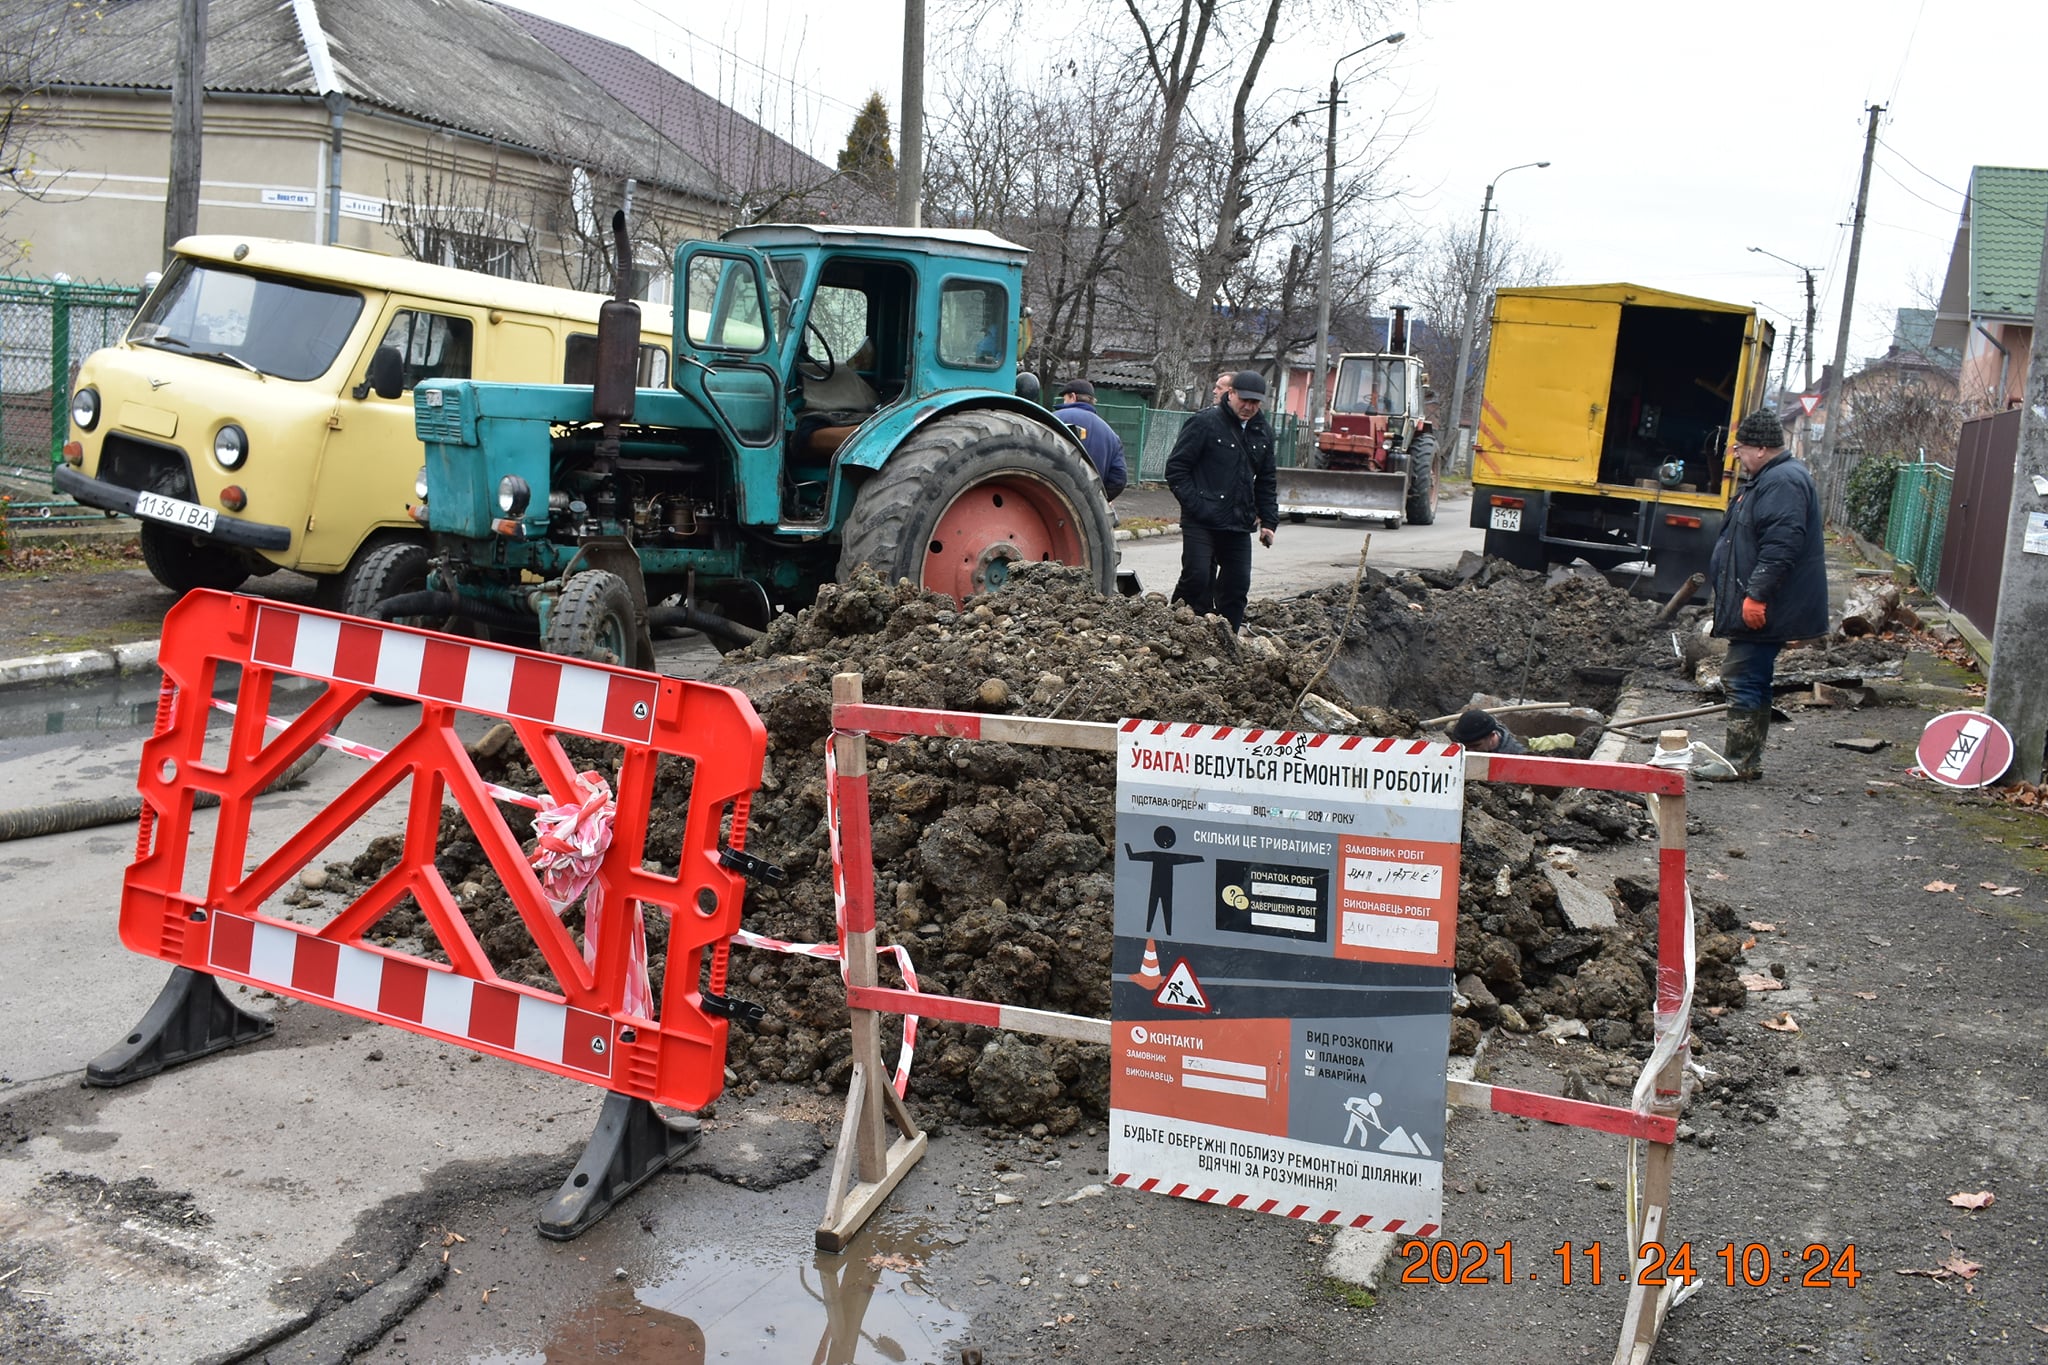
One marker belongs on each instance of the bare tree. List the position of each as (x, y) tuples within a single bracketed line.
[(1437, 281), (32, 41), (1906, 412)]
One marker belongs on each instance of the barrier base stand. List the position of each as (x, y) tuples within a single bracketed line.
[(192, 1018), (863, 1171), (631, 1145)]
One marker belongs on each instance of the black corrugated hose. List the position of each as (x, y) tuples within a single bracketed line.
[(61, 817)]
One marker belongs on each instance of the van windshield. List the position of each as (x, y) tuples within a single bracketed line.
[(288, 328)]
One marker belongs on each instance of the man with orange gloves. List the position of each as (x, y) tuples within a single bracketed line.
[(1770, 580)]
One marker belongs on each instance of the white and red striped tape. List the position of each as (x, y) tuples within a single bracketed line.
[(412, 993), (591, 700), (1406, 748), (1306, 1212)]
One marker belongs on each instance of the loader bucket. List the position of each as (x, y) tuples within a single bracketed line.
[(1356, 496)]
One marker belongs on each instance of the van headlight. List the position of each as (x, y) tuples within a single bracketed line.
[(513, 495), (230, 447), (85, 408), (419, 484)]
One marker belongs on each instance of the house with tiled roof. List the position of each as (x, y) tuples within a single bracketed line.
[(1987, 299), (449, 131), (764, 177)]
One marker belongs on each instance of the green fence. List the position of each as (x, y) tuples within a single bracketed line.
[(46, 328), (1149, 433), (1919, 517)]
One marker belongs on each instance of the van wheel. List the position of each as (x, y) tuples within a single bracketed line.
[(593, 620), (181, 561)]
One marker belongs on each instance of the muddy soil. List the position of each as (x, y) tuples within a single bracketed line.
[(992, 861)]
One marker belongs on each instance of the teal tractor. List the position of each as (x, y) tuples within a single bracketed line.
[(839, 396)]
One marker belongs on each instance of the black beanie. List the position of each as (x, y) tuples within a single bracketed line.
[(1762, 430), (1473, 725)]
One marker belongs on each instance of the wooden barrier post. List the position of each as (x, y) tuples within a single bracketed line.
[(1647, 1304), (867, 1165)]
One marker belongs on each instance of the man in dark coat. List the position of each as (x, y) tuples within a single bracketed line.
[(1221, 472), (1770, 580), (1098, 438)]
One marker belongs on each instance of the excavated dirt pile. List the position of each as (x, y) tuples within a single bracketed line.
[(992, 861)]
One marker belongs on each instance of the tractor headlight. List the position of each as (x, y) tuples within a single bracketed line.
[(513, 495), (230, 447), (419, 484), (85, 408)]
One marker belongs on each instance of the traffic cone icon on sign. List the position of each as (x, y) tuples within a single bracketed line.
[(1148, 974)]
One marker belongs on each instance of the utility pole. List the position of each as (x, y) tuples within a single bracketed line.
[(1831, 478), (1471, 317), (1785, 380), (188, 93), (1809, 335), (2017, 691), (1318, 388), (910, 164)]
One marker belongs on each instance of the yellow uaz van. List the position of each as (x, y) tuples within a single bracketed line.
[(258, 413)]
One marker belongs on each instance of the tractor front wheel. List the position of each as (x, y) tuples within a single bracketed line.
[(972, 493), (593, 620), (1421, 506)]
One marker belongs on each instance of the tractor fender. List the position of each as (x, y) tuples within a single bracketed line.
[(882, 435)]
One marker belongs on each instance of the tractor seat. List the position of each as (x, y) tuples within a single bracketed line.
[(822, 442)]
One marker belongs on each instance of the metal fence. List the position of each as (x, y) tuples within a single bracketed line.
[(1149, 433), (1919, 517), (46, 328)]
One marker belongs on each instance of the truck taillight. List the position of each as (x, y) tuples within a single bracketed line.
[(1689, 523), (1499, 501)]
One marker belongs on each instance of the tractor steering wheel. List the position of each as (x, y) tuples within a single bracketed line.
[(823, 370)]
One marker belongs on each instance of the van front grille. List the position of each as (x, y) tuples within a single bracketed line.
[(144, 465)]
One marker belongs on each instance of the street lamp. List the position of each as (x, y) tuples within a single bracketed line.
[(1807, 271), (1472, 302), (1318, 385)]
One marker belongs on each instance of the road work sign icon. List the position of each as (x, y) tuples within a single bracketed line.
[(1305, 887)]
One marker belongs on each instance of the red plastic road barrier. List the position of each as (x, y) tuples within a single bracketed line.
[(586, 1032)]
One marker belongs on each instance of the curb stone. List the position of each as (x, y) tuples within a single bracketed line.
[(1149, 532), (81, 666)]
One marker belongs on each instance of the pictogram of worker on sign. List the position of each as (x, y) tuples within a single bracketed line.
[(1159, 899)]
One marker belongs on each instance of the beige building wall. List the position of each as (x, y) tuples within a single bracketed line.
[(264, 172), (1983, 364)]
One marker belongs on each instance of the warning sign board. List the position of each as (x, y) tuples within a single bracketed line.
[(1965, 749), (1305, 887), (1808, 402)]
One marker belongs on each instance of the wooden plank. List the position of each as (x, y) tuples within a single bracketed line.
[(864, 1200), (896, 721), (960, 1010)]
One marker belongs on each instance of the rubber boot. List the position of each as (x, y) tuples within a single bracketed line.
[(1744, 748)]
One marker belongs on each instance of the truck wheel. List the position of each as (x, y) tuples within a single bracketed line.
[(1422, 481), (593, 620), (182, 561), (381, 572), (972, 493)]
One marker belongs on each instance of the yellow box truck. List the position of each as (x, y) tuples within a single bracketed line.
[(1603, 430)]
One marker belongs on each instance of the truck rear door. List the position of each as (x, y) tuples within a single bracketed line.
[(1549, 368)]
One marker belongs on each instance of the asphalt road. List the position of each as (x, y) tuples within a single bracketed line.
[(1312, 554)]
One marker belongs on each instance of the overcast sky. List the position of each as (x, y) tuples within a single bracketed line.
[(1680, 134)]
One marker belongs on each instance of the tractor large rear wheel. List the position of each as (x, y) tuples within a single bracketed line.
[(971, 494)]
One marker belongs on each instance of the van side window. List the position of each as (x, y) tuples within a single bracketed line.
[(579, 363), (434, 345)]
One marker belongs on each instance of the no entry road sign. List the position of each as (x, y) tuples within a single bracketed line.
[(1965, 749)]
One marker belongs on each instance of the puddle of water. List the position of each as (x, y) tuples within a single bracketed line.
[(869, 1306)]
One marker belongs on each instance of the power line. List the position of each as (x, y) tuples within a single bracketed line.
[(692, 36), (1964, 195)]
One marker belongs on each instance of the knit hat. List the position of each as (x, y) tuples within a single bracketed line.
[(1473, 725), (1080, 387), (1762, 430), (1249, 384)]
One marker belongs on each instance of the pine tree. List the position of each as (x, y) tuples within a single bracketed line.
[(868, 156)]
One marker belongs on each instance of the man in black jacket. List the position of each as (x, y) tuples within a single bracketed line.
[(1221, 472), (1770, 581)]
